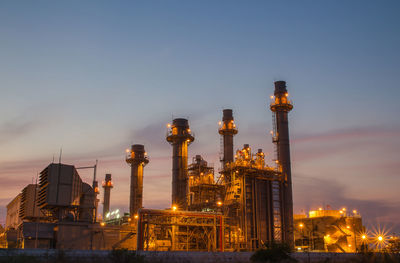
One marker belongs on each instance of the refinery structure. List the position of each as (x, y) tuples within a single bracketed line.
[(244, 207)]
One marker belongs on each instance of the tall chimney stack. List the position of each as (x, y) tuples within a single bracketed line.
[(179, 136), (281, 106), (137, 159), (107, 185), (227, 130)]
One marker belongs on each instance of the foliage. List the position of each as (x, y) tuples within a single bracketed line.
[(19, 259), (274, 252), (371, 257), (125, 256)]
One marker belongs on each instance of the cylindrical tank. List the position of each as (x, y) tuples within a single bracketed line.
[(180, 137), (281, 106), (227, 130), (137, 159), (107, 185)]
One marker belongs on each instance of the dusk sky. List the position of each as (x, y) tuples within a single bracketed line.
[(94, 77)]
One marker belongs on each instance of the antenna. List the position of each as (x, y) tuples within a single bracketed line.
[(59, 158), (95, 169)]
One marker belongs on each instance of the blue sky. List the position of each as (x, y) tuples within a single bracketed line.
[(94, 77)]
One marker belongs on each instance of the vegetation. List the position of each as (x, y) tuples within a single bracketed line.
[(19, 259), (370, 257), (274, 252), (125, 256)]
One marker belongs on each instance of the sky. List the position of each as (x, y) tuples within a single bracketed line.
[(94, 77)]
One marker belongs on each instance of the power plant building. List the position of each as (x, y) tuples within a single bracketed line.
[(246, 206), (330, 231)]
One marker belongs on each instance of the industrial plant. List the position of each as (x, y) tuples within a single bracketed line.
[(244, 207)]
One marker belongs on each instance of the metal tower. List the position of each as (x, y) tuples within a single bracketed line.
[(179, 136), (227, 130), (137, 159), (280, 106), (107, 185)]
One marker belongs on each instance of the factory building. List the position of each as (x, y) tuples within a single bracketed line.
[(330, 231), (244, 207), (251, 203)]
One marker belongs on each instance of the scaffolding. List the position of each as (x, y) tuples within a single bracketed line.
[(169, 230), (204, 194), (252, 200)]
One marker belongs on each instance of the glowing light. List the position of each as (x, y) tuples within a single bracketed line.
[(320, 209), (348, 227), (380, 237), (219, 203), (286, 94), (341, 211), (301, 225), (145, 153), (344, 208), (299, 248), (129, 219), (363, 236), (174, 208), (271, 97), (355, 211), (188, 130), (127, 150), (136, 217), (102, 224), (219, 123)]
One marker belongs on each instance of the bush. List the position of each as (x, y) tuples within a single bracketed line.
[(371, 257), (273, 253), (125, 256), (19, 259)]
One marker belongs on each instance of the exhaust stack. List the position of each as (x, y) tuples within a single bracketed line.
[(107, 185), (281, 107), (227, 130), (137, 159), (179, 136)]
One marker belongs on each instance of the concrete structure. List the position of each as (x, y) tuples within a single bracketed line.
[(227, 130), (180, 136), (330, 231), (137, 159), (280, 106), (107, 185)]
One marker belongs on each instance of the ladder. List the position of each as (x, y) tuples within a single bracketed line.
[(276, 200)]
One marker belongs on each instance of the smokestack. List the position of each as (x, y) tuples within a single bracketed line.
[(107, 185), (227, 130), (179, 136), (137, 159), (281, 106)]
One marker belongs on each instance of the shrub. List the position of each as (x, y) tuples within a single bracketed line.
[(125, 256), (19, 259), (273, 253)]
